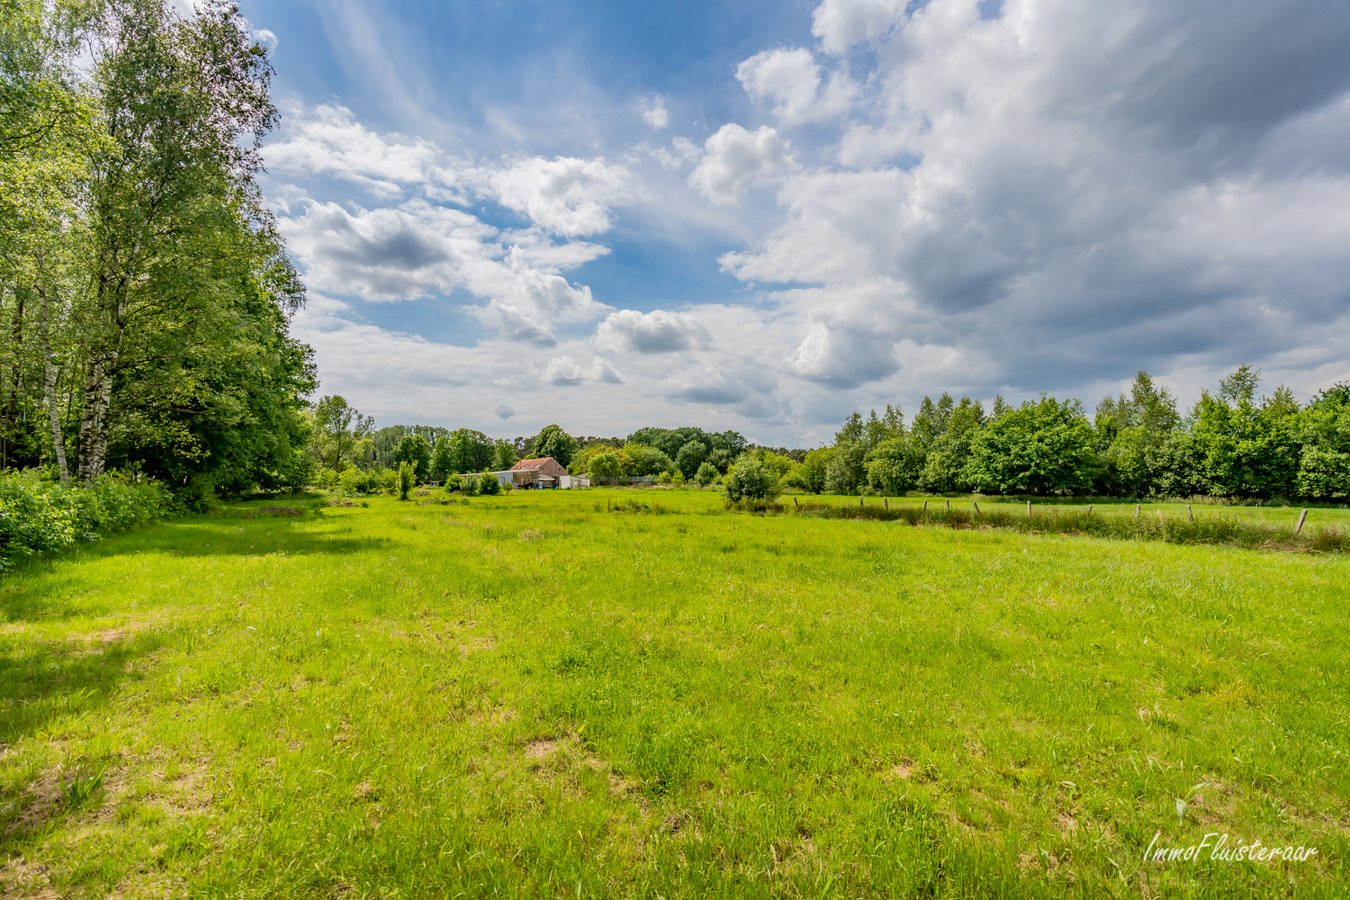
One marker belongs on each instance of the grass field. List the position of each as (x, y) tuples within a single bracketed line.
[(533, 695)]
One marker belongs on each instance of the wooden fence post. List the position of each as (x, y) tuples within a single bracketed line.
[(1301, 517), (977, 507), (795, 504), (886, 503), (1137, 507), (860, 503), (949, 506), (1089, 509), (925, 506), (1028, 507), (1190, 516)]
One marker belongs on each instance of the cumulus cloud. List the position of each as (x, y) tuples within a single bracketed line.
[(655, 114), (654, 332), (567, 196), (840, 24), (735, 158), (563, 370), (503, 411), (1063, 189), (790, 79)]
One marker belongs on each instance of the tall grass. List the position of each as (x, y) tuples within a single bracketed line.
[(1227, 530)]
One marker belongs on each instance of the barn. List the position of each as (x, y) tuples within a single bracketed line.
[(542, 472)]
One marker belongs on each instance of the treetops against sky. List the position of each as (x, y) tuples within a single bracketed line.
[(758, 215)]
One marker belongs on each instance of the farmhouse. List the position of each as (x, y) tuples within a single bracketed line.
[(543, 472)]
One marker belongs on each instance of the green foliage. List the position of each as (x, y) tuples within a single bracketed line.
[(1240, 450), (751, 478), (407, 479), (377, 480), (504, 456), (690, 457), (553, 441), (607, 463), (470, 451), (1044, 447), (414, 450), (815, 470), (890, 467), (707, 473), (441, 459), (39, 515), (646, 460), (488, 485), (845, 472), (454, 483)]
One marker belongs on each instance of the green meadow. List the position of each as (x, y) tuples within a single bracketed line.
[(643, 694)]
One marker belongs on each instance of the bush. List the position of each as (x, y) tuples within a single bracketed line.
[(706, 474), (750, 479), (375, 481), (407, 479), (488, 485), (38, 515), (454, 483)]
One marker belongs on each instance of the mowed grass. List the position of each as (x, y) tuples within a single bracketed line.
[(534, 696)]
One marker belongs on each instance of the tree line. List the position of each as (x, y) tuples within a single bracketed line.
[(1230, 444), (145, 294)]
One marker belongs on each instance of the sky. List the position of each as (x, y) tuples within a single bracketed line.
[(763, 215)]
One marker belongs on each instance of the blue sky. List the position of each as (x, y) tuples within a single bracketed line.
[(762, 215)]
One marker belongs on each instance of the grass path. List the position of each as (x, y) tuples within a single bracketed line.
[(533, 696)]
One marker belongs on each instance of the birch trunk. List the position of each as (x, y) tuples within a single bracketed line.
[(50, 375)]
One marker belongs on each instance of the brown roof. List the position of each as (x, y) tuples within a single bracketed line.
[(544, 465)]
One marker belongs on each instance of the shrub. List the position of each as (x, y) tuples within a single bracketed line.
[(665, 477), (374, 481), (706, 474), (407, 479), (453, 483), (38, 515), (750, 479), (488, 485)]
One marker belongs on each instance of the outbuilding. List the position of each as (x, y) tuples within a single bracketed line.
[(541, 472)]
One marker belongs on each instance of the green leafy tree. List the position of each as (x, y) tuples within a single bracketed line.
[(340, 429), (751, 478), (470, 451), (606, 464), (1324, 432), (504, 456), (407, 479), (647, 460), (707, 473), (442, 462), (890, 466), (414, 450), (815, 469), (553, 441), (1045, 447), (1242, 450), (948, 450), (690, 457)]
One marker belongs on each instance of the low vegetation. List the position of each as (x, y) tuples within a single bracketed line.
[(554, 693)]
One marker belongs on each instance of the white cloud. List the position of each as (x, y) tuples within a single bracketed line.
[(503, 411), (735, 159), (264, 36), (790, 79), (655, 113), (654, 332), (1064, 189), (563, 370), (567, 196), (840, 24)]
